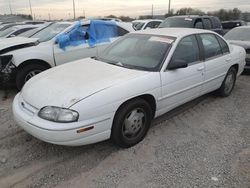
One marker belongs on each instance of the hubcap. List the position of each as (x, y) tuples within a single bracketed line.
[(31, 74), (134, 123), (229, 83)]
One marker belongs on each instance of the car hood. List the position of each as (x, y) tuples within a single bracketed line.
[(244, 44), (68, 84), (9, 44)]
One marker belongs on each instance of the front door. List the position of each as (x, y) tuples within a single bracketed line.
[(183, 84)]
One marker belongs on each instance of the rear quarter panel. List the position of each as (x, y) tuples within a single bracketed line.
[(238, 55)]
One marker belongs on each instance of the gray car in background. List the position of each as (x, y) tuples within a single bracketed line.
[(241, 36)]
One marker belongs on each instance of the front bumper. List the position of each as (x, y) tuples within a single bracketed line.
[(26, 117), (7, 74)]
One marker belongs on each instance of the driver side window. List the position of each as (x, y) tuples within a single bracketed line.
[(187, 51)]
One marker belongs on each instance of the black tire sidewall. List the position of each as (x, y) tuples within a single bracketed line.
[(116, 133), (222, 91), (22, 73)]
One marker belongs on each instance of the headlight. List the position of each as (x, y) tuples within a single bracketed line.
[(56, 114)]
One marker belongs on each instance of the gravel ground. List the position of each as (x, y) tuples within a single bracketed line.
[(205, 143)]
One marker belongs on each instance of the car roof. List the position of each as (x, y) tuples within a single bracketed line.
[(147, 20), (173, 32), (25, 26), (192, 16)]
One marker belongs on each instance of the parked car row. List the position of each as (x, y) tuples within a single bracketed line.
[(120, 78)]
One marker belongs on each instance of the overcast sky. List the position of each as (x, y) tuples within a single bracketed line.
[(63, 8)]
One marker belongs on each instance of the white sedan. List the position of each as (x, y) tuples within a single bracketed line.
[(116, 94)]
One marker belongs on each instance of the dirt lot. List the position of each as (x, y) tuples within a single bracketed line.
[(205, 143)]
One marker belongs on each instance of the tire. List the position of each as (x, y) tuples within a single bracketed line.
[(138, 115), (27, 72), (228, 83)]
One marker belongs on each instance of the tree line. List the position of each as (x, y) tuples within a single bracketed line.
[(223, 14)]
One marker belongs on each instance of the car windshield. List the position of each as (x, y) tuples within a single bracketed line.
[(51, 31), (7, 32), (138, 51), (138, 25), (242, 34), (177, 22)]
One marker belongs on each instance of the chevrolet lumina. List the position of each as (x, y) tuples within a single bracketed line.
[(117, 93)]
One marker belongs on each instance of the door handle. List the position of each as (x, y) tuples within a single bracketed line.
[(228, 60), (200, 69)]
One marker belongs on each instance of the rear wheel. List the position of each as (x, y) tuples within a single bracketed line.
[(228, 83), (131, 123), (27, 72)]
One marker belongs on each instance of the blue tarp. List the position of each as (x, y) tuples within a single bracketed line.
[(73, 38), (98, 32), (101, 31)]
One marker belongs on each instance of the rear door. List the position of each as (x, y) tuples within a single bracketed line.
[(216, 57), (72, 53), (103, 46)]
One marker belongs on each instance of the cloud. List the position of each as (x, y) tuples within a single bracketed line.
[(93, 8)]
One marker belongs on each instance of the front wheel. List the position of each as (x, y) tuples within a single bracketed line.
[(131, 123), (27, 72), (228, 83)]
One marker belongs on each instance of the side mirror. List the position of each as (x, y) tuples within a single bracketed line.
[(177, 64)]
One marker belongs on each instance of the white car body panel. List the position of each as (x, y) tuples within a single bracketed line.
[(9, 42), (49, 52), (96, 90)]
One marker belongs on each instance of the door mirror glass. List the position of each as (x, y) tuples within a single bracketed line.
[(177, 64)]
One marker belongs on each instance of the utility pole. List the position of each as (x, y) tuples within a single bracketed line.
[(74, 8), (169, 7), (152, 10), (83, 13), (31, 13), (10, 7)]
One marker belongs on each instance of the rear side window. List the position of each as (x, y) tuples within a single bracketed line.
[(207, 23), (211, 45), (223, 44), (187, 51), (216, 23), (121, 31), (153, 24)]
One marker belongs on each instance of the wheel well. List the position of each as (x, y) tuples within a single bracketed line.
[(236, 66), (148, 98), (34, 61)]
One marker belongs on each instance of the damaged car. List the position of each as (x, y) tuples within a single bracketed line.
[(135, 79), (59, 43)]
